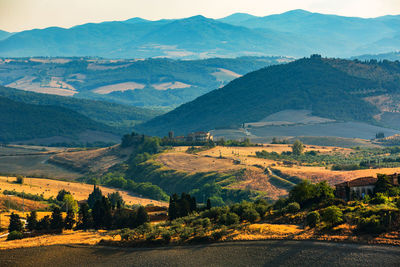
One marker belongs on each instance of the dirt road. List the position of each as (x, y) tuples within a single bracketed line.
[(244, 253)]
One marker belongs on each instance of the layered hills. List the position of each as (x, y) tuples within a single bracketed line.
[(295, 33), (341, 90), (21, 121), (119, 118), (160, 83)]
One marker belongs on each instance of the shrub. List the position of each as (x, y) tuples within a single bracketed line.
[(292, 207), (166, 236), (313, 218), (371, 225), (20, 179), (15, 235), (380, 198), (250, 215), (229, 219), (332, 215)]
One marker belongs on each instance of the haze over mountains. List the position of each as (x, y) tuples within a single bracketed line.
[(295, 33)]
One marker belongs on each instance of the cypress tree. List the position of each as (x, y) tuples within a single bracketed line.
[(141, 216), (208, 204), (32, 221), (69, 220), (15, 223), (85, 220), (94, 196), (57, 222)]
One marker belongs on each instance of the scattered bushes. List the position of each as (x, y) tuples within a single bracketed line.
[(371, 225), (292, 207), (313, 218), (332, 216), (15, 235)]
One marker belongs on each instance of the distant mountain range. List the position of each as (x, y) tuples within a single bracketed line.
[(295, 33), (342, 90)]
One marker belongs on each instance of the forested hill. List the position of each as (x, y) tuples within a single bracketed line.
[(21, 121), (118, 116), (331, 88)]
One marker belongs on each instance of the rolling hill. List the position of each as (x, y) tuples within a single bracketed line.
[(20, 121), (295, 33), (120, 117), (341, 90)]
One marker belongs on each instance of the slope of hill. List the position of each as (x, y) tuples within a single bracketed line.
[(20, 121), (151, 82), (116, 115), (295, 33), (333, 89)]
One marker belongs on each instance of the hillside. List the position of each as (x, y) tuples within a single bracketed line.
[(295, 33), (156, 83), (111, 114), (333, 89), (20, 121)]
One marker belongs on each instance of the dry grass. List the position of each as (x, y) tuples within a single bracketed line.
[(29, 205), (5, 216), (94, 160), (80, 191), (67, 237), (195, 163), (318, 174)]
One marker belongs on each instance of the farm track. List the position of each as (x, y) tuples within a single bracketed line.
[(242, 253)]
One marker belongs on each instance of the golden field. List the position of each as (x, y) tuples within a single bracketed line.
[(80, 191)]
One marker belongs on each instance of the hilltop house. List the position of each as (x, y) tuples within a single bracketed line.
[(360, 187), (199, 137)]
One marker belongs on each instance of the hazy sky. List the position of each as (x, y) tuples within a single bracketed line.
[(17, 15)]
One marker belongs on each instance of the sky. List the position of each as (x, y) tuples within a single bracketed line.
[(18, 15)]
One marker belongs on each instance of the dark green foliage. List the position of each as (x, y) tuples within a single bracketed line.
[(332, 216), (307, 193), (57, 222), (309, 83), (208, 204), (313, 218), (229, 218), (22, 121), (116, 200), (112, 114), (181, 206), (379, 198), (141, 216), (292, 207), (297, 147), (15, 223), (250, 215), (69, 221), (61, 194), (44, 224), (102, 215), (383, 184), (32, 221), (20, 179), (94, 196), (85, 220), (13, 235), (371, 225)]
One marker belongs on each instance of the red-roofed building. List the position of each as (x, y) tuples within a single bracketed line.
[(360, 187)]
